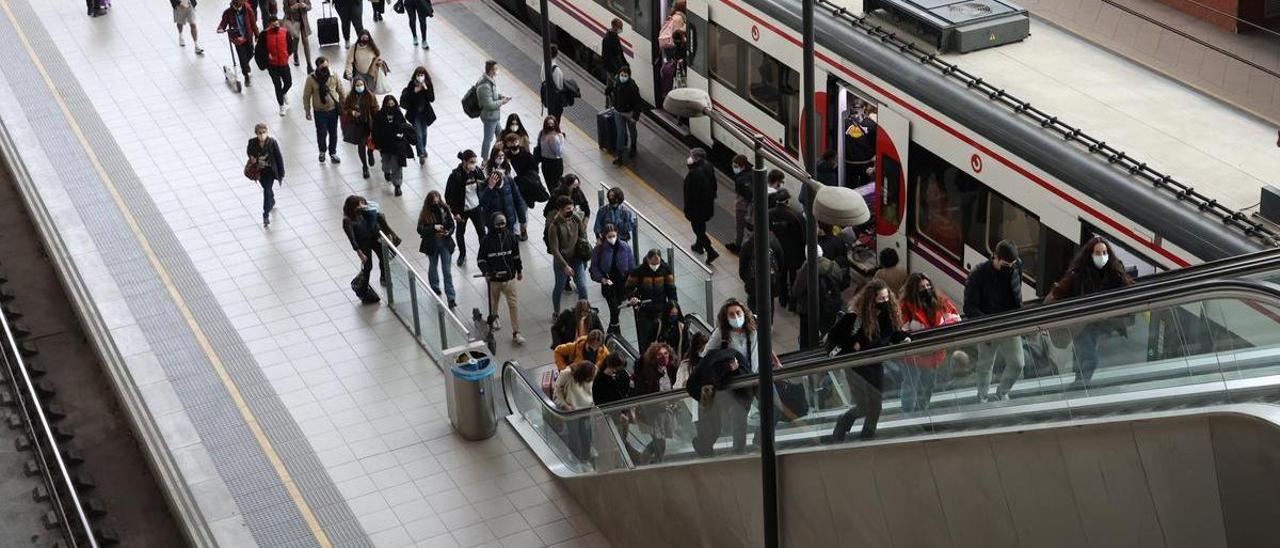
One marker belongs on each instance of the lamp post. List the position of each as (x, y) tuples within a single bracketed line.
[(832, 204), (810, 335), (548, 95)]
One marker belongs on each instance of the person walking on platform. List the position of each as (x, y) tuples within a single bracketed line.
[(1096, 268), (275, 46), (499, 260), (358, 111), (379, 8), (416, 101), (514, 126), (435, 225), (491, 103), (241, 27), (264, 9), (184, 13), (627, 105), (361, 222), (993, 287), (789, 227), (418, 11), (364, 61), (351, 14), (322, 95), (299, 25), (611, 54), (875, 321), (616, 214), (566, 237), (748, 269), (550, 150), (264, 152), (700, 201), (741, 167), (391, 134), (650, 288), (500, 195), (611, 262), (462, 193)]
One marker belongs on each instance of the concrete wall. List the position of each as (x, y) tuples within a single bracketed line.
[(1202, 481)]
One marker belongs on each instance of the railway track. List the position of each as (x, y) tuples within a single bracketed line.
[(71, 472)]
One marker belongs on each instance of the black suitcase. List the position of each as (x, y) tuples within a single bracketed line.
[(606, 134), (327, 29), (366, 294)]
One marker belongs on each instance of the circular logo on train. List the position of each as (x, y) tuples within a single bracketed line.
[(755, 33), (975, 162)]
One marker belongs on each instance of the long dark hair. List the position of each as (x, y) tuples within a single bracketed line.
[(351, 204), (555, 126), (423, 71), (372, 45), (722, 318), (1082, 270), (428, 214), (516, 118), (912, 295), (865, 302)]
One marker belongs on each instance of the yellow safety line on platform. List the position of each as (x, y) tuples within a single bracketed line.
[(294, 493)]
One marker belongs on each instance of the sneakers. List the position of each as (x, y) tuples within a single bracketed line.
[(518, 338), (712, 255), (322, 157), (284, 109), (425, 45), (247, 81), (182, 42), (453, 304), (422, 160), (415, 42), (199, 50), (334, 158)]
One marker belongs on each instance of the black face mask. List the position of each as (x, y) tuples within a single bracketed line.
[(927, 297), (882, 308)]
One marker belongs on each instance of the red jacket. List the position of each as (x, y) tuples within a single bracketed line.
[(229, 24), (279, 44), (916, 319)]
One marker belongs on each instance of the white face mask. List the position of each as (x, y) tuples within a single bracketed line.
[(654, 267), (737, 322), (690, 160), (623, 79), (737, 170), (612, 240), (514, 127), (359, 89), (421, 78), (1101, 260)]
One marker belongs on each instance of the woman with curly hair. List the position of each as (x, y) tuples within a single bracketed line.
[(874, 322)]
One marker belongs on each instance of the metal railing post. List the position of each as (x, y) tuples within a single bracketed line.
[(710, 304), (413, 300)]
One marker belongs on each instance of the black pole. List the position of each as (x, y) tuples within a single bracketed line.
[(764, 345), (548, 95), (810, 335)]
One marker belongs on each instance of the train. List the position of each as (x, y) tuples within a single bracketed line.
[(954, 172)]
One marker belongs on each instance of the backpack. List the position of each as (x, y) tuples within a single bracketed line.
[(471, 102), (829, 302), (665, 37)]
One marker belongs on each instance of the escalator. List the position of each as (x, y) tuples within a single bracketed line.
[(1173, 440)]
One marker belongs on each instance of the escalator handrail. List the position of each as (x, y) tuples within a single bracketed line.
[(966, 333)]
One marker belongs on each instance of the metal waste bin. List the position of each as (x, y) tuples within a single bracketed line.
[(472, 387)]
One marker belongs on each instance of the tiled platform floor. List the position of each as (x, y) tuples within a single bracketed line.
[(342, 393)]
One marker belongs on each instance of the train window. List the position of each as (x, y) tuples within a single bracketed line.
[(620, 8), (1007, 221), (891, 196), (764, 81), (640, 23), (697, 53), (948, 203), (791, 107), (725, 53)]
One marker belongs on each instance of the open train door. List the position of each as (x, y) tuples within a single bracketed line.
[(893, 137), (695, 73)]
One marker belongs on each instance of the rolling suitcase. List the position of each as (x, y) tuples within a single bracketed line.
[(606, 134), (327, 27), (366, 294)]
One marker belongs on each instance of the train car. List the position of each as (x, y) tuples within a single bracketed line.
[(954, 172)]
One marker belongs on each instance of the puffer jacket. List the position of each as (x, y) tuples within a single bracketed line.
[(654, 288)]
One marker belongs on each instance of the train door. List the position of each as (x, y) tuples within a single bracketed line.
[(694, 73), (893, 135)]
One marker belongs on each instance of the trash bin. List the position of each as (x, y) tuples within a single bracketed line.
[(472, 387)]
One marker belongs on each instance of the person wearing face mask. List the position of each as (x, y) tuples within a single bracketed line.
[(435, 225), (923, 307), (491, 103), (392, 135), (570, 186), (611, 261), (265, 152), (651, 287), (418, 11), (500, 163), (993, 287), (524, 171), (514, 126), (351, 14), (500, 195), (789, 226), (462, 194), (416, 101), (628, 106), (499, 260), (673, 331), (572, 391), (729, 353), (359, 109), (736, 329), (574, 323), (241, 27), (1094, 269), (550, 150), (653, 374), (742, 174), (364, 61), (875, 321), (566, 239), (275, 46), (589, 347), (322, 95), (700, 201), (362, 220), (832, 281), (299, 25), (616, 214)]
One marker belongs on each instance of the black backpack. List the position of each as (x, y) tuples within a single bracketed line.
[(829, 301), (471, 102)]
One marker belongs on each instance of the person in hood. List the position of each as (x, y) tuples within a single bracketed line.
[(875, 321), (499, 261), (1095, 268), (700, 201)]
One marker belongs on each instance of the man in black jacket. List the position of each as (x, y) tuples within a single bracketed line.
[(626, 105), (700, 201), (611, 51), (789, 227), (993, 287), (499, 260)]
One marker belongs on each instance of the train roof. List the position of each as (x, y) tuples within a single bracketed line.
[(1179, 214)]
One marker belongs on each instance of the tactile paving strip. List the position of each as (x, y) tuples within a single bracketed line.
[(267, 510)]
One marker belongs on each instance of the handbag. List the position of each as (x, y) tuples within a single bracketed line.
[(252, 169), (378, 71), (398, 7)]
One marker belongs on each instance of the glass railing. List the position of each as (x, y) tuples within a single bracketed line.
[(693, 277), (426, 315), (1194, 344)]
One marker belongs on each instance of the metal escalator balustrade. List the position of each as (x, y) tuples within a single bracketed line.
[(1194, 343)]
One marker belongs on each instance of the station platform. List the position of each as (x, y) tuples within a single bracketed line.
[(291, 414)]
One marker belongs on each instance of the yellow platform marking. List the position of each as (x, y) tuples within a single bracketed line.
[(167, 279)]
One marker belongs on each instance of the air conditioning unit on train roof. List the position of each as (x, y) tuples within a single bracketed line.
[(957, 25)]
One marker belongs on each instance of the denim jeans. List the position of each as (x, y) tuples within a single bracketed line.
[(624, 126), (917, 387), (579, 281), (327, 131), (1085, 351), (439, 263), (490, 132), (268, 179), (420, 129)]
